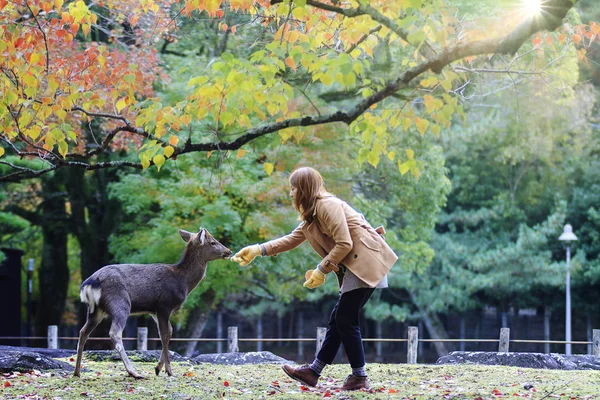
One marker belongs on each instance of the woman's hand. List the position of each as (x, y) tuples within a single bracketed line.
[(246, 255), (314, 278)]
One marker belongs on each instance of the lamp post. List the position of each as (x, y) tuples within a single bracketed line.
[(567, 237)]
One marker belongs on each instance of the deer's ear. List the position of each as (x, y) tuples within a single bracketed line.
[(185, 235), (202, 236)]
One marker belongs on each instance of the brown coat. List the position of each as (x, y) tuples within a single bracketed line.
[(341, 236)]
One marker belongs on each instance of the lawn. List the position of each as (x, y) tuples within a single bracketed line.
[(108, 380)]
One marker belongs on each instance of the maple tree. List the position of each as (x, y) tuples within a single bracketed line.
[(66, 64)]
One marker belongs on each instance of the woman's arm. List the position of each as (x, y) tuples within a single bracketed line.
[(332, 216), (285, 243)]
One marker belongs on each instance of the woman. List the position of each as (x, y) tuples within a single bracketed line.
[(350, 248)]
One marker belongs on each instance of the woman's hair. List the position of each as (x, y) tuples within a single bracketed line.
[(309, 187)]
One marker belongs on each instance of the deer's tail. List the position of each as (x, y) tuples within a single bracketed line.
[(90, 293)]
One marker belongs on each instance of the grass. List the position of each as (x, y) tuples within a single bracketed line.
[(108, 380)]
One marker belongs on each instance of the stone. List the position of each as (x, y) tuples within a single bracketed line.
[(52, 353), (25, 361), (523, 360), (256, 357)]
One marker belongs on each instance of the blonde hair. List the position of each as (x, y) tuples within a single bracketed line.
[(309, 188)]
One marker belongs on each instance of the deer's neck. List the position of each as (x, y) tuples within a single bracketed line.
[(193, 267)]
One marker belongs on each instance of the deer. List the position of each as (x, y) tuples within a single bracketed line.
[(120, 290)]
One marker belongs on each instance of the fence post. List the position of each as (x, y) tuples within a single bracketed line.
[(320, 338), (596, 340), (504, 340), (413, 342), (142, 338), (52, 336), (232, 339)]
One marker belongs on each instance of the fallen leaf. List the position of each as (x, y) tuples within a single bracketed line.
[(6, 383), (225, 383)]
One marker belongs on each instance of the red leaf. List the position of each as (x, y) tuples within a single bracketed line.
[(71, 359), (303, 388), (225, 383), (6, 383), (392, 391), (327, 394), (130, 390)]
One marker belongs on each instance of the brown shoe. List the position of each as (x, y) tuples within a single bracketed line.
[(302, 374), (354, 382)]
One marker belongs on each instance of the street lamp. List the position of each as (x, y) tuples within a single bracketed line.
[(567, 237)]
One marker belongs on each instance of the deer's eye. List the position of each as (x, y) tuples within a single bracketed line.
[(213, 243)]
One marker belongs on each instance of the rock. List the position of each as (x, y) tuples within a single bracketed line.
[(256, 357), (52, 353), (134, 355), (25, 361), (523, 360)]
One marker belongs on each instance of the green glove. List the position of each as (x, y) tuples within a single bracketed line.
[(314, 278), (246, 255)]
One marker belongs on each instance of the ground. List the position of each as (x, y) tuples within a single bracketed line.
[(108, 380)]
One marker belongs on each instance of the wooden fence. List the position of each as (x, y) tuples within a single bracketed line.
[(233, 340)]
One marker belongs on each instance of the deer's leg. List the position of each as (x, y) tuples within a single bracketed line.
[(91, 323), (119, 318), (165, 330)]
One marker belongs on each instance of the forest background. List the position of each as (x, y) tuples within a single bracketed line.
[(123, 122)]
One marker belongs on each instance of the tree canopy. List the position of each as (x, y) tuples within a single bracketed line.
[(78, 79)]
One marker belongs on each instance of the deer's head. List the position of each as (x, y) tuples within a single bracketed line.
[(204, 245)]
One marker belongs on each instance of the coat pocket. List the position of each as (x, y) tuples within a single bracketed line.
[(371, 243)]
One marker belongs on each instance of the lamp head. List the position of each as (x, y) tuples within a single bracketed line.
[(568, 235)]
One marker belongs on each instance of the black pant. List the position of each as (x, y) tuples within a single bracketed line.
[(344, 328)]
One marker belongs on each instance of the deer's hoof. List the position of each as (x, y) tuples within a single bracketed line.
[(136, 375), (157, 370)]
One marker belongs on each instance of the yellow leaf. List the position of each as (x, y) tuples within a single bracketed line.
[(416, 172), (63, 148), (58, 4), (120, 104), (268, 168), (1, 151), (422, 125), (186, 119), (159, 160), (391, 155), (173, 140), (169, 150), (410, 154), (240, 153), (429, 82), (403, 168), (406, 122), (272, 108), (435, 129), (208, 154), (326, 79)]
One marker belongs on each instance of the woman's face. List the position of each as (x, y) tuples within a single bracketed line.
[(293, 191)]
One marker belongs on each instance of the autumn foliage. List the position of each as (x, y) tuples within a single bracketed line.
[(68, 65)]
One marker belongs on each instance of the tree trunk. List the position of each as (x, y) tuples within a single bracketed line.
[(93, 219), (197, 321), (195, 326), (435, 327), (54, 269)]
